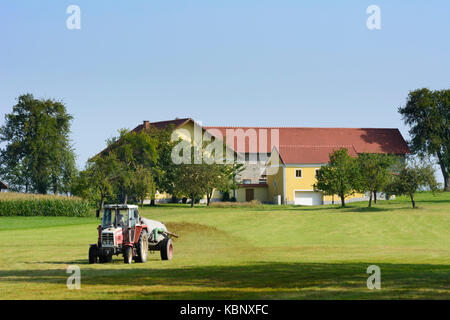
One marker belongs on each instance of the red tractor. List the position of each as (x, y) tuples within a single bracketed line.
[(123, 231)]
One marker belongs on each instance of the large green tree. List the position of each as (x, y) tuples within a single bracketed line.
[(134, 150), (164, 171), (340, 176), (38, 156), (192, 180), (197, 180), (427, 112)]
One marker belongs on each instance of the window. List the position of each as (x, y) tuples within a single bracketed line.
[(263, 179), (247, 181), (298, 173), (317, 171), (106, 219)]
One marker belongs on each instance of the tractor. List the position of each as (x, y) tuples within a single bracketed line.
[(124, 232)]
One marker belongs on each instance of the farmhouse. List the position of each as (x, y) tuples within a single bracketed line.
[(300, 152), (281, 162)]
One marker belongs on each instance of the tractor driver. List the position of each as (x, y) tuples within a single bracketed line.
[(121, 220)]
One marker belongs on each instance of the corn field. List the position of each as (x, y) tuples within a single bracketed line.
[(19, 204)]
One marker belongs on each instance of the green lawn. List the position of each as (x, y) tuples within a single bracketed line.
[(267, 252)]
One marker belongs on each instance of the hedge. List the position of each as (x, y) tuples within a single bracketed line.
[(16, 204)]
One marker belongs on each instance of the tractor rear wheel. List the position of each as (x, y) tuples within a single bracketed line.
[(128, 255), (142, 247), (166, 249), (93, 254)]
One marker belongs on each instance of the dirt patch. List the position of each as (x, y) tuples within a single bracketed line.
[(198, 231), (187, 228)]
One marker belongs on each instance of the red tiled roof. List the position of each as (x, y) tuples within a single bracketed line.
[(311, 154), (307, 145), (316, 140)]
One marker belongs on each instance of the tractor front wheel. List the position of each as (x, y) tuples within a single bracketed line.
[(166, 249), (93, 254), (128, 255)]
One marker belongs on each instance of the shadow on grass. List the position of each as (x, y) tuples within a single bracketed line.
[(254, 281)]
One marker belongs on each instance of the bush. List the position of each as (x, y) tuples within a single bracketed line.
[(16, 204), (226, 196), (251, 204)]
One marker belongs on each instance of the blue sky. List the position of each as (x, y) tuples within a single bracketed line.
[(280, 63)]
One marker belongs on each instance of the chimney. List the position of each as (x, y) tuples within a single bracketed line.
[(146, 124)]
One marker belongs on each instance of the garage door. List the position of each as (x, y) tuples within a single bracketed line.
[(307, 198)]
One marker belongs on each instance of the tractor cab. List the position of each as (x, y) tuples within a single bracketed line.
[(120, 216)]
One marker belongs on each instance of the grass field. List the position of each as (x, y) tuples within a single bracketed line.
[(265, 252)]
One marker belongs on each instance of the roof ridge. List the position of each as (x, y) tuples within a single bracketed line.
[(315, 145), (176, 119), (250, 127)]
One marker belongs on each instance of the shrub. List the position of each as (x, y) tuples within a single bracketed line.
[(226, 196), (16, 204), (250, 204)]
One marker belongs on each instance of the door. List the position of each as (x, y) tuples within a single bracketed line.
[(249, 194), (308, 198)]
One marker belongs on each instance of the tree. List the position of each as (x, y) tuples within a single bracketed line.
[(165, 170), (374, 172), (192, 180), (133, 150), (197, 180), (221, 176), (143, 184), (96, 182), (340, 176), (38, 156), (412, 178), (428, 114)]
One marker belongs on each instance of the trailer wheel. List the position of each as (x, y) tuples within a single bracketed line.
[(93, 254), (128, 255), (142, 247), (166, 249)]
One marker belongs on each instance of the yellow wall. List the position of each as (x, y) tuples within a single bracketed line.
[(260, 193), (305, 183), (275, 179), (276, 188), (186, 132)]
